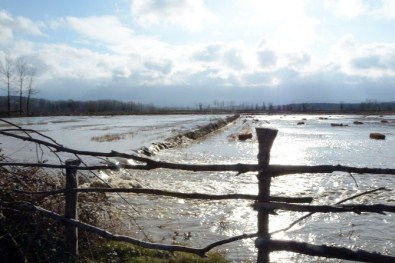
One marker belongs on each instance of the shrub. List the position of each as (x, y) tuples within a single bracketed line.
[(26, 236)]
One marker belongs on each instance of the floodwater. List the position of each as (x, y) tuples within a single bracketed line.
[(198, 223)]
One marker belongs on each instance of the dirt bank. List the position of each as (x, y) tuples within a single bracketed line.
[(185, 137)]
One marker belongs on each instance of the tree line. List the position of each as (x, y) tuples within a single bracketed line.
[(40, 107)]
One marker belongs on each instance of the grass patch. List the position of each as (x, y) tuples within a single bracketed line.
[(123, 252)]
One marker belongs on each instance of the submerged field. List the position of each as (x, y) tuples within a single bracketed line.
[(198, 223)]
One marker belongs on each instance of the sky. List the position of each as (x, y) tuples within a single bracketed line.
[(185, 52)]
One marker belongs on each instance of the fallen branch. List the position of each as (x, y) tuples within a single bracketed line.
[(241, 168), (378, 208), (273, 170), (326, 251), (229, 240), (278, 170), (337, 203), (172, 194)]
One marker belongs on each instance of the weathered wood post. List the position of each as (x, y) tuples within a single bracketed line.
[(71, 204), (266, 138)]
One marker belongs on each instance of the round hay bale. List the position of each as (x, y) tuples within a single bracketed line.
[(377, 136)]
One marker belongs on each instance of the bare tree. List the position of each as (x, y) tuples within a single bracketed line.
[(6, 71), (21, 68), (31, 73)]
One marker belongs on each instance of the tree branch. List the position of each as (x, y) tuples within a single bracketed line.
[(278, 170), (274, 170), (337, 203), (378, 208), (327, 251), (172, 194)]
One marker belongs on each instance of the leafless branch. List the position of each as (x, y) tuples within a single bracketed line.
[(278, 170), (377, 208), (327, 251), (338, 203), (274, 170), (27, 133), (173, 194)]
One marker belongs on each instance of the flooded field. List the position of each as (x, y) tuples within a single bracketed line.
[(198, 223)]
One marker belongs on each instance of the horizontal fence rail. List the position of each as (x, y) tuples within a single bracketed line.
[(264, 202)]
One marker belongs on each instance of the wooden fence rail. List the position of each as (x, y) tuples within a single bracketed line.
[(265, 203)]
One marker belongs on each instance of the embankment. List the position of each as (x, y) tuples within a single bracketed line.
[(185, 137)]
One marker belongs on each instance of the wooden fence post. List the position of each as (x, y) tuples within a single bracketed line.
[(71, 204), (265, 139)]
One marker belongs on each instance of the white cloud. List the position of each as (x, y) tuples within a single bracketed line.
[(372, 60), (189, 14), (27, 26), (347, 8), (62, 61), (5, 34), (380, 9), (387, 10), (267, 58), (210, 52), (9, 26), (141, 52), (253, 12), (375, 60), (284, 24), (296, 35), (161, 66), (233, 58), (106, 29), (260, 79)]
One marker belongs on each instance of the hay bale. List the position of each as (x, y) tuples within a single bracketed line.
[(377, 136)]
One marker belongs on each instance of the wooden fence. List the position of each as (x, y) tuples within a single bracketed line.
[(265, 203)]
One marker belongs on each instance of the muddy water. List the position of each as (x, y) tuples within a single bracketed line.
[(198, 223)]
